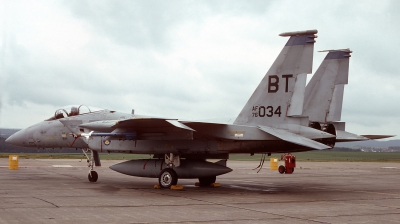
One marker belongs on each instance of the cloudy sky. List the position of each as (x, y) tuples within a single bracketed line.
[(187, 59)]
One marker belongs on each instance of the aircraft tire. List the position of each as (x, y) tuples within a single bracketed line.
[(207, 181), (167, 178), (93, 176), (281, 169)]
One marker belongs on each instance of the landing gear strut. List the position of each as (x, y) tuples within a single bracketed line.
[(92, 176), (172, 160)]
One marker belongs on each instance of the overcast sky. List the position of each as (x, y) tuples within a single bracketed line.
[(187, 59)]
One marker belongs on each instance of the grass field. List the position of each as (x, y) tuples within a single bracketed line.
[(312, 156)]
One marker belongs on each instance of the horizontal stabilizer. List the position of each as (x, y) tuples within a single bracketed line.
[(294, 138), (378, 136), (344, 136)]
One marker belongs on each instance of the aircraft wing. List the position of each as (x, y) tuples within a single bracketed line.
[(138, 123), (141, 128), (294, 138), (134, 124)]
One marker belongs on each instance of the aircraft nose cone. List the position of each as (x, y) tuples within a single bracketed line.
[(16, 139)]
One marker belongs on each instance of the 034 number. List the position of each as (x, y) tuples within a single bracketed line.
[(269, 111)]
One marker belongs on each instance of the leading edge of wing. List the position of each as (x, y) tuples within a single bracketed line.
[(134, 124), (151, 122), (294, 138)]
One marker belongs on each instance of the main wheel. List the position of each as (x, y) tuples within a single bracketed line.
[(281, 169), (93, 176), (167, 178), (207, 181)]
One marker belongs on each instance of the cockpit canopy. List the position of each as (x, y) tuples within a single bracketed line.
[(73, 110)]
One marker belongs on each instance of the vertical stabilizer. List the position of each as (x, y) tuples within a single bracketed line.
[(281, 92), (324, 93)]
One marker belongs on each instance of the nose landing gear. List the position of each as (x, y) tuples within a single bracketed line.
[(92, 161)]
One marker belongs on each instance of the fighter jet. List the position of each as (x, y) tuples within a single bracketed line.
[(272, 121)]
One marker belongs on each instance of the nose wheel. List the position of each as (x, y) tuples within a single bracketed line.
[(93, 176)]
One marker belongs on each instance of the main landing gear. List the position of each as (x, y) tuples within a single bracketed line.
[(168, 176), (92, 161), (290, 164)]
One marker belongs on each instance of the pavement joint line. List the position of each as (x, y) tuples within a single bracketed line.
[(256, 183), (241, 208), (360, 204), (358, 191), (112, 206), (47, 202), (369, 214), (208, 221)]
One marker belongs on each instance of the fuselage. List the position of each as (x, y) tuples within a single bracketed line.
[(209, 139)]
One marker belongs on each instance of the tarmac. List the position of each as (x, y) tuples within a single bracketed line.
[(58, 191)]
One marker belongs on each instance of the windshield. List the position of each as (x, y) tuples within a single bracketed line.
[(73, 110)]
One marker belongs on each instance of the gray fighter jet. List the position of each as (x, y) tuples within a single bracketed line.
[(272, 121)]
